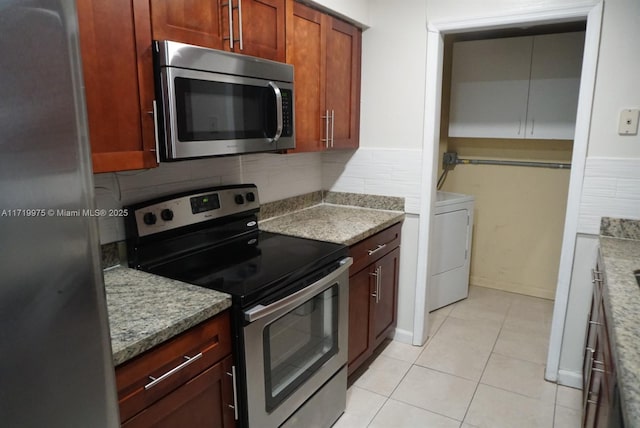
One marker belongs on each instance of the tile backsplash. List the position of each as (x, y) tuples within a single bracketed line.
[(387, 172), (611, 188), (277, 177)]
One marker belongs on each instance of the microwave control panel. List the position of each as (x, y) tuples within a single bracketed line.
[(287, 112)]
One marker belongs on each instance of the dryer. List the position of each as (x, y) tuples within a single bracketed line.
[(451, 249)]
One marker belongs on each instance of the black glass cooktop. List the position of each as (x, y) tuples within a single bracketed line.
[(258, 267)]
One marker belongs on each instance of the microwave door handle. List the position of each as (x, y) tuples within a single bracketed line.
[(276, 91)]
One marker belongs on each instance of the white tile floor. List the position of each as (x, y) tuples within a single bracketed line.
[(483, 366)]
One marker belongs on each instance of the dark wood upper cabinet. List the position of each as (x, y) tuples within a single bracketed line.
[(307, 52), (325, 52), (263, 29), (258, 23), (115, 44), (195, 22), (342, 95)]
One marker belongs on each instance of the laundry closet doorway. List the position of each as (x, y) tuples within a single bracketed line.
[(509, 101), (433, 108)]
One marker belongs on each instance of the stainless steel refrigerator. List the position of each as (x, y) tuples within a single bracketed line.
[(55, 356)]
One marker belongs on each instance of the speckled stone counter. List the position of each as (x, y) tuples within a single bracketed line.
[(620, 258), (333, 223), (146, 310)]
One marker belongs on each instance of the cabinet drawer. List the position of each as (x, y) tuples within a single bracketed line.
[(171, 364), (371, 249), (199, 402)]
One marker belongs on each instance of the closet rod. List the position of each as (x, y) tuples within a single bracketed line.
[(513, 163)]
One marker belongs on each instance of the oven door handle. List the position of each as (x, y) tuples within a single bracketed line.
[(299, 297)]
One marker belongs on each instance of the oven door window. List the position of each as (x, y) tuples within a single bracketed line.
[(298, 343), (211, 110)]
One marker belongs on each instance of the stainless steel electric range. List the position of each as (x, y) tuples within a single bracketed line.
[(289, 294)]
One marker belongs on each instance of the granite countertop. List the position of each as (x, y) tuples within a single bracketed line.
[(333, 223), (146, 310), (620, 258)]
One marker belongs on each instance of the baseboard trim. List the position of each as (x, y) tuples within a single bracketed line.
[(569, 378), (404, 336)]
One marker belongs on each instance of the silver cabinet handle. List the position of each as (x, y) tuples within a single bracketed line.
[(333, 125), (595, 276), (533, 123), (375, 293), (278, 93), (155, 381), (229, 5), (375, 250), (326, 129), (378, 276), (519, 126), (379, 279), (235, 392), (240, 24), (155, 130)]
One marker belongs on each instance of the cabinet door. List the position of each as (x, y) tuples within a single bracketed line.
[(360, 318), (306, 50), (385, 308), (343, 83), (489, 86), (556, 66), (195, 22), (118, 77), (263, 29), (203, 401)]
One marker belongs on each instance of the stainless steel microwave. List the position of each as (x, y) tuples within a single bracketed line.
[(219, 103)]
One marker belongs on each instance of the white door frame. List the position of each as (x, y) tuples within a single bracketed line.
[(592, 12)]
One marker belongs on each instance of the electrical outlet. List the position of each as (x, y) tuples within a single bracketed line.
[(629, 122)]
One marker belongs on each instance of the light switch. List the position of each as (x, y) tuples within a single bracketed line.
[(629, 122)]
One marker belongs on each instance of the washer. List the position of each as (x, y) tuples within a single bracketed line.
[(451, 250)]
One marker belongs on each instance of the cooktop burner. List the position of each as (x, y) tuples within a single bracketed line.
[(254, 266), (222, 248)]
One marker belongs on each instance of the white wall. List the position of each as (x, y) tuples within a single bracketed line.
[(356, 11), (393, 75), (277, 177), (617, 84)]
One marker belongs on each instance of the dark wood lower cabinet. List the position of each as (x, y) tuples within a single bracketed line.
[(184, 382), (373, 293), (198, 403), (360, 315), (601, 402)]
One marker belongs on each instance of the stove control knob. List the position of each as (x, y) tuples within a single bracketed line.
[(239, 199), (251, 197), (149, 219), (166, 214)]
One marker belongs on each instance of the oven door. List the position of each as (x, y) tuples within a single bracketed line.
[(294, 346), (207, 114)]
